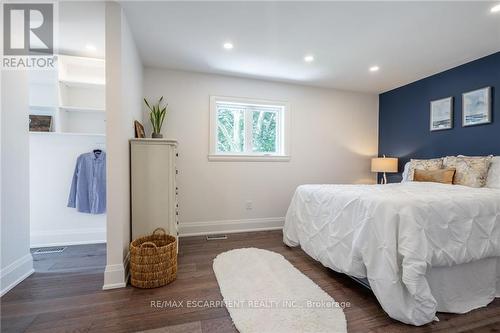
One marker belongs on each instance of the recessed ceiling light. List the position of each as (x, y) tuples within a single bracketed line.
[(495, 9), (309, 58), (228, 45), (374, 68), (90, 47)]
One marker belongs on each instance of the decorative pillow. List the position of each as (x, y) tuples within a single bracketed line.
[(444, 176), (406, 173), (493, 180), (470, 171), (432, 164)]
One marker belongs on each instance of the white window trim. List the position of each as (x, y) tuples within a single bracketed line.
[(285, 127)]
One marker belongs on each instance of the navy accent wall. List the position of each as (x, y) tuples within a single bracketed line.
[(404, 115)]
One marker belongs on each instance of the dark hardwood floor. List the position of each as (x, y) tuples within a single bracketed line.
[(65, 295)]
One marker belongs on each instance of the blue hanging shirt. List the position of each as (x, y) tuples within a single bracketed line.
[(88, 188)]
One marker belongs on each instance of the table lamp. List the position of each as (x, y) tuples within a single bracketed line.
[(384, 164)]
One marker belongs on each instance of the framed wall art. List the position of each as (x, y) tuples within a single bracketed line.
[(441, 114), (476, 107), (39, 123)]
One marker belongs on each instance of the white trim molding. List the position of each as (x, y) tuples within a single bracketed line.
[(65, 237), (249, 158), (230, 226), (116, 276), (15, 273)]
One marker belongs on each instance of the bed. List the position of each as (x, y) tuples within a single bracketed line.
[(423, 247)]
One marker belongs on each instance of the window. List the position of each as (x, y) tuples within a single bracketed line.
[(245, 129)]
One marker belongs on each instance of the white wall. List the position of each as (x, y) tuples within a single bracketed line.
[(334, 134), (16, 261), (123, 106), (52, 163)]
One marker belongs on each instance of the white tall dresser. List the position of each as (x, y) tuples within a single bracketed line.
[(153, 186)]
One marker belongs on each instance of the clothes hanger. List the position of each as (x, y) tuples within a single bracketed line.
[(98, 150)]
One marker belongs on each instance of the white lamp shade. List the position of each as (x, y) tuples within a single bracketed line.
[(384, 164)]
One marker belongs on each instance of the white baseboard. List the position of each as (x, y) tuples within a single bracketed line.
[(230, 226), (65, 237), (116, 276), (15, 273)]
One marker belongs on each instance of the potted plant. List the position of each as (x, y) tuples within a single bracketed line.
[(157, 114)]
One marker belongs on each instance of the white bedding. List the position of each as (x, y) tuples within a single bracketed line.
[(392, 234)]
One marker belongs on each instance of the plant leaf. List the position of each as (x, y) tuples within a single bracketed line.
[(152, 121), (162, 118), (147, 104)]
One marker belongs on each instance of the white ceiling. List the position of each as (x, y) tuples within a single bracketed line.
[(80, 24), (408, 40)]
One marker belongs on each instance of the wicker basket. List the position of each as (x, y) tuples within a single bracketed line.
[(153, 260)]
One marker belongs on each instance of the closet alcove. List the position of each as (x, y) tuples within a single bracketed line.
[(73, 96)]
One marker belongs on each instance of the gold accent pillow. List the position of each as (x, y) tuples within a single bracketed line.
[(431, 164), (470, 171), (444, 176)]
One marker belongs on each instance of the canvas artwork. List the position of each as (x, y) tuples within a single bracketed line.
[(476, 107), (441, 114)]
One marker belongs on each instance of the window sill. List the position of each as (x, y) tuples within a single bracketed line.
[(249, 158)]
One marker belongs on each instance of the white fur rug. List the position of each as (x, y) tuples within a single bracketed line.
[(263, 293)]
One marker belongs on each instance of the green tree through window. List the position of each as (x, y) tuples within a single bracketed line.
[(264, 131), (247, 128), (230, 125)]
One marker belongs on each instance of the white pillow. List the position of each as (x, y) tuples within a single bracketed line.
[(406, 173), (493, 180)]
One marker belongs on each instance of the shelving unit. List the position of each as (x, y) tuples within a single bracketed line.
[(44, 95), (97, 135), (82, 84), (80, 109), (42, 109), (74, 95)]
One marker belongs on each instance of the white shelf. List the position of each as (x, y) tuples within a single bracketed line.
[(74, 96), (42, 110), (81, 109), (68, 134), (83, 84)]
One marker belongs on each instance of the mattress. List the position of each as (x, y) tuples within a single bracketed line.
[(394, 234)]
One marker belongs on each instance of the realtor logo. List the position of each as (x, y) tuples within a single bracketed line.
[(28, 29)]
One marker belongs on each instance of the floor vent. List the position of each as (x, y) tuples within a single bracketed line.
[(49, 250), (216, 237)]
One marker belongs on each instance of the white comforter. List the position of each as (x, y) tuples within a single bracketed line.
[(393, 233)]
